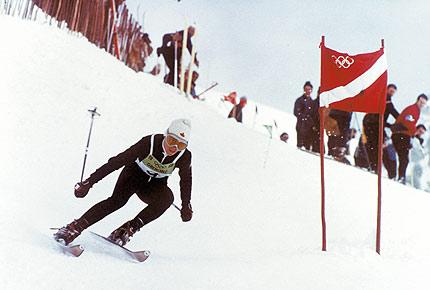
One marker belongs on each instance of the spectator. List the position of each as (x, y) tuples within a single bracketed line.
[(332, 131), (231, 98), (343, 120), (361, 159), (236, 112), (389, 152), (421, 130), (284, 137), (389, 158), (389, 106), (371, 130), (167, 49), (417, 156), (352, 142), (403, 130), (316, 126), (303, 111)]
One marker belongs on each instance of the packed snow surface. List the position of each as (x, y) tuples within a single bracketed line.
[(256, 222)]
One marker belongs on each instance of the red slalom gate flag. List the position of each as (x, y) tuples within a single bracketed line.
[(353, 83)]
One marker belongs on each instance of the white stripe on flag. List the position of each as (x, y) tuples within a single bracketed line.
[(356, 86)]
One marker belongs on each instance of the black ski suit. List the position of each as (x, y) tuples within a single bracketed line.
[(146, 175)]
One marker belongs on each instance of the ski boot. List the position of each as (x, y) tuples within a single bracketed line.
[(122, 235), (67, 234)]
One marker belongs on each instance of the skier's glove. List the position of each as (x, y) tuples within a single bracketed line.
[(186, 212), (82, 188)]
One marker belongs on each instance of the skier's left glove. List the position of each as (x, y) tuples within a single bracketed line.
[(82, 188), (186, 212)]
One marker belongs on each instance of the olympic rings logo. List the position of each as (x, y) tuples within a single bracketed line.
[(343, 62)]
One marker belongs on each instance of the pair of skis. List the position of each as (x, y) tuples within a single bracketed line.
[(77, 250)]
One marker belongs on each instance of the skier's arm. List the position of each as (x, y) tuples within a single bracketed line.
[(116, 162), (185, 173), (393, 112)]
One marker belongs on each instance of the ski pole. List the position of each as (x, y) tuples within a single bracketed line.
[(211, 87), (93, 113), (177, 207)]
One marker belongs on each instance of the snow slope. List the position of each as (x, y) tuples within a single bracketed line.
[(256, 225)]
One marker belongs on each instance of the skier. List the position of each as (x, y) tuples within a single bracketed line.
[(148, 164), (167, 49), (403, 130), (303, 108)]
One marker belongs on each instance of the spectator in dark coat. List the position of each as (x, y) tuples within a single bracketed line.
[(303, 108), (236, 112), (371, 130), (389, 106), (389, 153), (167, 49), (403, 130)]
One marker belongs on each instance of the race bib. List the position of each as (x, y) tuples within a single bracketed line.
[(154, 168)]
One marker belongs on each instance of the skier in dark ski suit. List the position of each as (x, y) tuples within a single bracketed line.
[(148, 164)]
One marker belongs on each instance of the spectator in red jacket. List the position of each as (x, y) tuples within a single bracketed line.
[(236, 112), (403, 130)]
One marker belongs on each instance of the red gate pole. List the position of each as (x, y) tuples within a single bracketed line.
[(378, 222), (324, 240), (381, 141), (321, 112)]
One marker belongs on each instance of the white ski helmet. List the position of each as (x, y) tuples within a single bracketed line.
[(180, 129)]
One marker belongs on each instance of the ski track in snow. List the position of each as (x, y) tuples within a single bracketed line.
[(253, 227)]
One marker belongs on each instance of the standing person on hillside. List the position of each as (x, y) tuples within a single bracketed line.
[(371, 129), (403, 130), (147, 166), (303, 108), (418, 155), (236, 111), (167, 49), (389, 152), (389, 106)]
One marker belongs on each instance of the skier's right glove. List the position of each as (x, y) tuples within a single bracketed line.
[(82, 188), (186, 212)]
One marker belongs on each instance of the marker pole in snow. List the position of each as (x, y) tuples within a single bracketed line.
[(184, 46), (191, 69), (175, 74), (93, 113)]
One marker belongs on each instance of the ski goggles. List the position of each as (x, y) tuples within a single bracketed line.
[(172, 141)]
